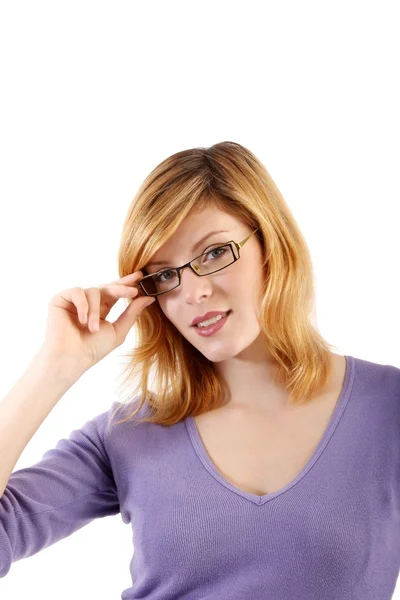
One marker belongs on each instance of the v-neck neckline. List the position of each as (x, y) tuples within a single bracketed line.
[(340, 406)]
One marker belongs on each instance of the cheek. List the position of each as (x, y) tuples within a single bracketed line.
[(250, 291), (169, 312), (163, 309)]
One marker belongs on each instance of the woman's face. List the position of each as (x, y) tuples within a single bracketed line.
[(236, 288)]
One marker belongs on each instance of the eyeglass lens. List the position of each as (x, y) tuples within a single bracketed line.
[(213, 260)]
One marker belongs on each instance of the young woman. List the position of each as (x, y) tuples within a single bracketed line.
[(251, 461)]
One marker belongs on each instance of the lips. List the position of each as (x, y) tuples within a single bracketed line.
[(213, 329), (209, 315)]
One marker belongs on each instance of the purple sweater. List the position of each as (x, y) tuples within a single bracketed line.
[(333, 533)]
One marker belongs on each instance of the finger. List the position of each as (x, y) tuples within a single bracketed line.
[(83, 306), (93, 296), (75, 296), (102, 299), (111, 293), (108, 289), (128, 318), (131, 277)]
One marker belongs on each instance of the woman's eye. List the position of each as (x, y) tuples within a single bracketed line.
[(218, 250), (222, 251), (162, 274)]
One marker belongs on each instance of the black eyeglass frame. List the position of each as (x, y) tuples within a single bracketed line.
[(238, 246)]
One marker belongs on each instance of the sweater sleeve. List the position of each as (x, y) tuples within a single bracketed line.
[(70, 486)]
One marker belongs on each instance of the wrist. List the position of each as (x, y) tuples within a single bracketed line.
[(63, 367)]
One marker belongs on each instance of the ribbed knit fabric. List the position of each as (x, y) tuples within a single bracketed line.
[(333, 533)]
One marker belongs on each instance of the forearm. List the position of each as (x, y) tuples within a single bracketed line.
[(27, 404)]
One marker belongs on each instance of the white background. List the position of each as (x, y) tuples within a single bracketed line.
[(94, 95)]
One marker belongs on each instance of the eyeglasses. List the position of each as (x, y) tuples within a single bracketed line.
[(213, 260)]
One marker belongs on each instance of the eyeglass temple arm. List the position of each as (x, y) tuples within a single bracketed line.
[(239, 245)]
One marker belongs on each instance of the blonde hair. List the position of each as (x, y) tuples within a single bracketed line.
[(229, 177)]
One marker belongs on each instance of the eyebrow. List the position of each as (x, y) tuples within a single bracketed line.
[(201, 241)]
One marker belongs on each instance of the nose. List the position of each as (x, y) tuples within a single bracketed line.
[(191, 283)]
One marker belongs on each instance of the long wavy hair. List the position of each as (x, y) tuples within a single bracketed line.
[(229, 177)]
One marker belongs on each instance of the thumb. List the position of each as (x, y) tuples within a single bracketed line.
[(128, 318)]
